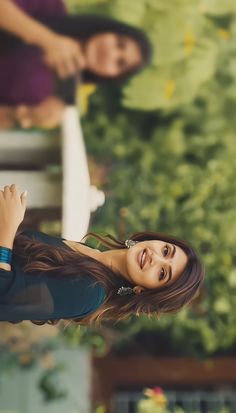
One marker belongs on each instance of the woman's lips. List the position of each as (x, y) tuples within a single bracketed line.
[(142, 258)]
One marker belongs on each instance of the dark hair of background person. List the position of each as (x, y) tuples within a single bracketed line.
[(59, 261)]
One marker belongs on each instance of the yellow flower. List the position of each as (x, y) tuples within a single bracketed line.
[(83, 94), (224, 34), (189, 42), (170, 87)]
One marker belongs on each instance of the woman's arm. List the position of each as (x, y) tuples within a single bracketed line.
[(17, 22), (12, 210), (60, 52)]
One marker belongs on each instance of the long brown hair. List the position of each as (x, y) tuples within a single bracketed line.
[(38, 257)]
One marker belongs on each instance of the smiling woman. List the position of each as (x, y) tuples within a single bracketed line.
[(48, 278), (112, 55)]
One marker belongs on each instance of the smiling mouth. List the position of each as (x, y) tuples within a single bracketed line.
[(143, 258)]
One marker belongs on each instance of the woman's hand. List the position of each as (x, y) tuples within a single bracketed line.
[(48, 114), (7, 117), (63, 54), (12, 210)]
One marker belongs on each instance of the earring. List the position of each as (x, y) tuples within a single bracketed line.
[(129, 290), (130, 243), (125, 291), (137, 289)]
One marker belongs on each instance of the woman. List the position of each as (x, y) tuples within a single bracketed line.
[(48, 278), (38, 40)]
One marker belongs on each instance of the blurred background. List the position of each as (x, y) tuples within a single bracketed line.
[(160, 153)]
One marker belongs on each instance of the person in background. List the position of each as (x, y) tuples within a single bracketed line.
[(41, 46), (45, 279)]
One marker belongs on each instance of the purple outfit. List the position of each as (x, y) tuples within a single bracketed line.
[(24, 78)]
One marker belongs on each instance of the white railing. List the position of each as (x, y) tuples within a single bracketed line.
[(78, 197), (33, 161)]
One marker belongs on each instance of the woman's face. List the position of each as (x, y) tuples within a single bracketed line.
[(155, 264), (111, 55)]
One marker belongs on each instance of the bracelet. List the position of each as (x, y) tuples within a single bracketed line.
[(5, 255)]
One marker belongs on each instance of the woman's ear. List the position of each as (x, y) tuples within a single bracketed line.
[(138, 290)]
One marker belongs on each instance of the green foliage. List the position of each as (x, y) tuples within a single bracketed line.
[(48, 384), (217, 7), (80, 335), (87, 6), (177, 175), (188, 38), (187, 45)]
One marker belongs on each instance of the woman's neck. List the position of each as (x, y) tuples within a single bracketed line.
[(113, 259), (84, 249)]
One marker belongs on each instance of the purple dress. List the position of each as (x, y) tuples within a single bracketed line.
[(24, 78)]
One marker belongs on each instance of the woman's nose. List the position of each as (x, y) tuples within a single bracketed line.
[(115, 56), (156, 257)]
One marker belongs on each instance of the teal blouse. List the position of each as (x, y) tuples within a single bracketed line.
[(42, 296)]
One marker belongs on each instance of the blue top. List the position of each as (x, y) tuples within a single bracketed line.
[(41, 296)]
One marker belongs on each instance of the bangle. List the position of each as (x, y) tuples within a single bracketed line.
[(5, 255)]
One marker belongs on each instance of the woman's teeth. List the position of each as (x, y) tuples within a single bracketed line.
[(143, 258)]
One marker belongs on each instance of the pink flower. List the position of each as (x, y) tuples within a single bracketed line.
[(157, 395), (158, 390)]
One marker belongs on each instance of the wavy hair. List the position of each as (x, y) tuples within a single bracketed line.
[(37, 257)]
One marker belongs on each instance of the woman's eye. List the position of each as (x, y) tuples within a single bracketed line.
[(165, 250), (162, 274)]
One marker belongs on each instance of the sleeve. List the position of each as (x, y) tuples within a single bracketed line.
[(43, 299), (24, 299), (6, 280), (42, 8), (78, 297)]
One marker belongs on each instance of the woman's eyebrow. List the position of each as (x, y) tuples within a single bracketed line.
[(169, 274), (173, 251), (170, 269)]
